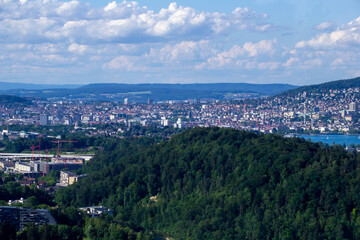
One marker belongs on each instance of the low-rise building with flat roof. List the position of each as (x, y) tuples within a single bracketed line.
[(19, 217)]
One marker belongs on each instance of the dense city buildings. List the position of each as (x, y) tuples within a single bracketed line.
[(331, 111)]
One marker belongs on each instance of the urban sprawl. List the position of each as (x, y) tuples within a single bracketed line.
[(330, 111), (320, 112)]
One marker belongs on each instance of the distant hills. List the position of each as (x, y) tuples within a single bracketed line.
[(156, 92), (30, 86), (325, 87), (7, 99), (163, 92), (160, 92)]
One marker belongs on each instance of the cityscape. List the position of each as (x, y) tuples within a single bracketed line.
[(324, 111), (333, 111), (179, 120), (52, 148)]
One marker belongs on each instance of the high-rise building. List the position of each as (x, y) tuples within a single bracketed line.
[(178, 123), (59, 114), (76, 117), (44, 119), (126, 101), (353, 107)]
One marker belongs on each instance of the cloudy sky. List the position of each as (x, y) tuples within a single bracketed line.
[(254, 41)]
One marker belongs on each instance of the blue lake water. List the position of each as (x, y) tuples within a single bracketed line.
[(330, 139)]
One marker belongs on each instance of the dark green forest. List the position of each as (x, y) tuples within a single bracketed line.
[(206, 183), (225, 184), (10, 100)]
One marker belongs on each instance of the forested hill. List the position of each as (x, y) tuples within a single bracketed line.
[(161, 92), (204, 89), (225, 184), (325, 87), (157, 92), (9, 99)]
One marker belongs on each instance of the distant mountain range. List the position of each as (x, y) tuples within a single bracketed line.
[(142, 92)]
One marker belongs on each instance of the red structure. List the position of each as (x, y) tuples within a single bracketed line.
[(58, 142), (40, 136), (33, 148)]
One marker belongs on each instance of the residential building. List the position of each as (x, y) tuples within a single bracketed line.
[(20, 217)]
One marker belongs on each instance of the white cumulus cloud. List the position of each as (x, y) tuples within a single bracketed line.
[(347, 35), (50, 21), (126, 63), (77, 48), (325, 26), (186, 51), (239, 56)]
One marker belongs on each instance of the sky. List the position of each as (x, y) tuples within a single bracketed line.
[(203, 41)]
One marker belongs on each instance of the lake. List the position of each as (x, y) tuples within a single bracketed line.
[(330, 139)]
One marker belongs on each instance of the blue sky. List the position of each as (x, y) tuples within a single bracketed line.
[(257, 41)]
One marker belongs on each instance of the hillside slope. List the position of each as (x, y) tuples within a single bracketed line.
[(156, 92), (160, 92), (13, 100), (325, 87), (5, 86), (226, 184)]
